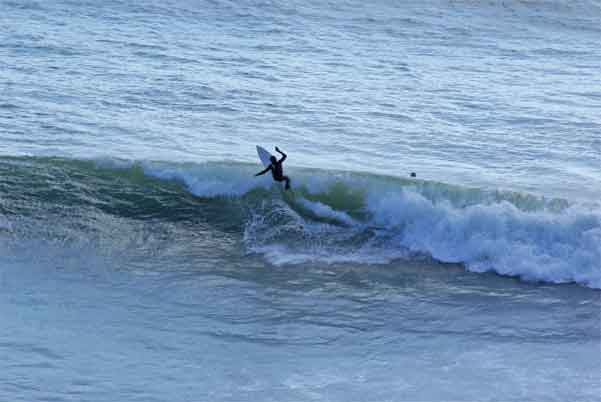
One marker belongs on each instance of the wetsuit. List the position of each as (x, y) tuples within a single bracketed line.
[(277, 172)]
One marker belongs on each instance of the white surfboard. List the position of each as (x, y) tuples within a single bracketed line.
[(264, 155)]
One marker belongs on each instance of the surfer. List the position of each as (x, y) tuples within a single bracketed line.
[(276, 169)]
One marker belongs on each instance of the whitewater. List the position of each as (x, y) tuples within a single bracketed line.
[(140, 259), (512, 234)]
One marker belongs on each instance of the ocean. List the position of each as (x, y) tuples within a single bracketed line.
[(142, 260)]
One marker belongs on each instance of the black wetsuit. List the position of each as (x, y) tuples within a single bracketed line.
[(277, 172)]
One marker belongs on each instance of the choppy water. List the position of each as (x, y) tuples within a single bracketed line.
[(140, 260)]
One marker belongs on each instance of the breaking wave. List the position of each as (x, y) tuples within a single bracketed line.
[(330, 216)]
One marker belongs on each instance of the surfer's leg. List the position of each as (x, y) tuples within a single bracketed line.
[(287, 182)]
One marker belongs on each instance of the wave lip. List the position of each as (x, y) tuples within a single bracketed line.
[(208, 180)]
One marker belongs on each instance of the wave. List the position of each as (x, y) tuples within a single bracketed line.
[(329, 217)]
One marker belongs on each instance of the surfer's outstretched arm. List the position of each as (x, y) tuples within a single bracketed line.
[(283, 155), (267, 169)]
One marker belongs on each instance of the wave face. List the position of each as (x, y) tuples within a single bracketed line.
[(329, 217)]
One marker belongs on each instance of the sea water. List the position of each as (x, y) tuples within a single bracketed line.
[(141, 260)]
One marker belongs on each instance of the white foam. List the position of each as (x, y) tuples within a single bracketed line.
[(278, 254), (209, 180), (541, 245), (326, 211)]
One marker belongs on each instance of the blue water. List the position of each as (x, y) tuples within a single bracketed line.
[(141, 260)]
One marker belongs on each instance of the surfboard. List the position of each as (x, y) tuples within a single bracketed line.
[(264, 155)]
